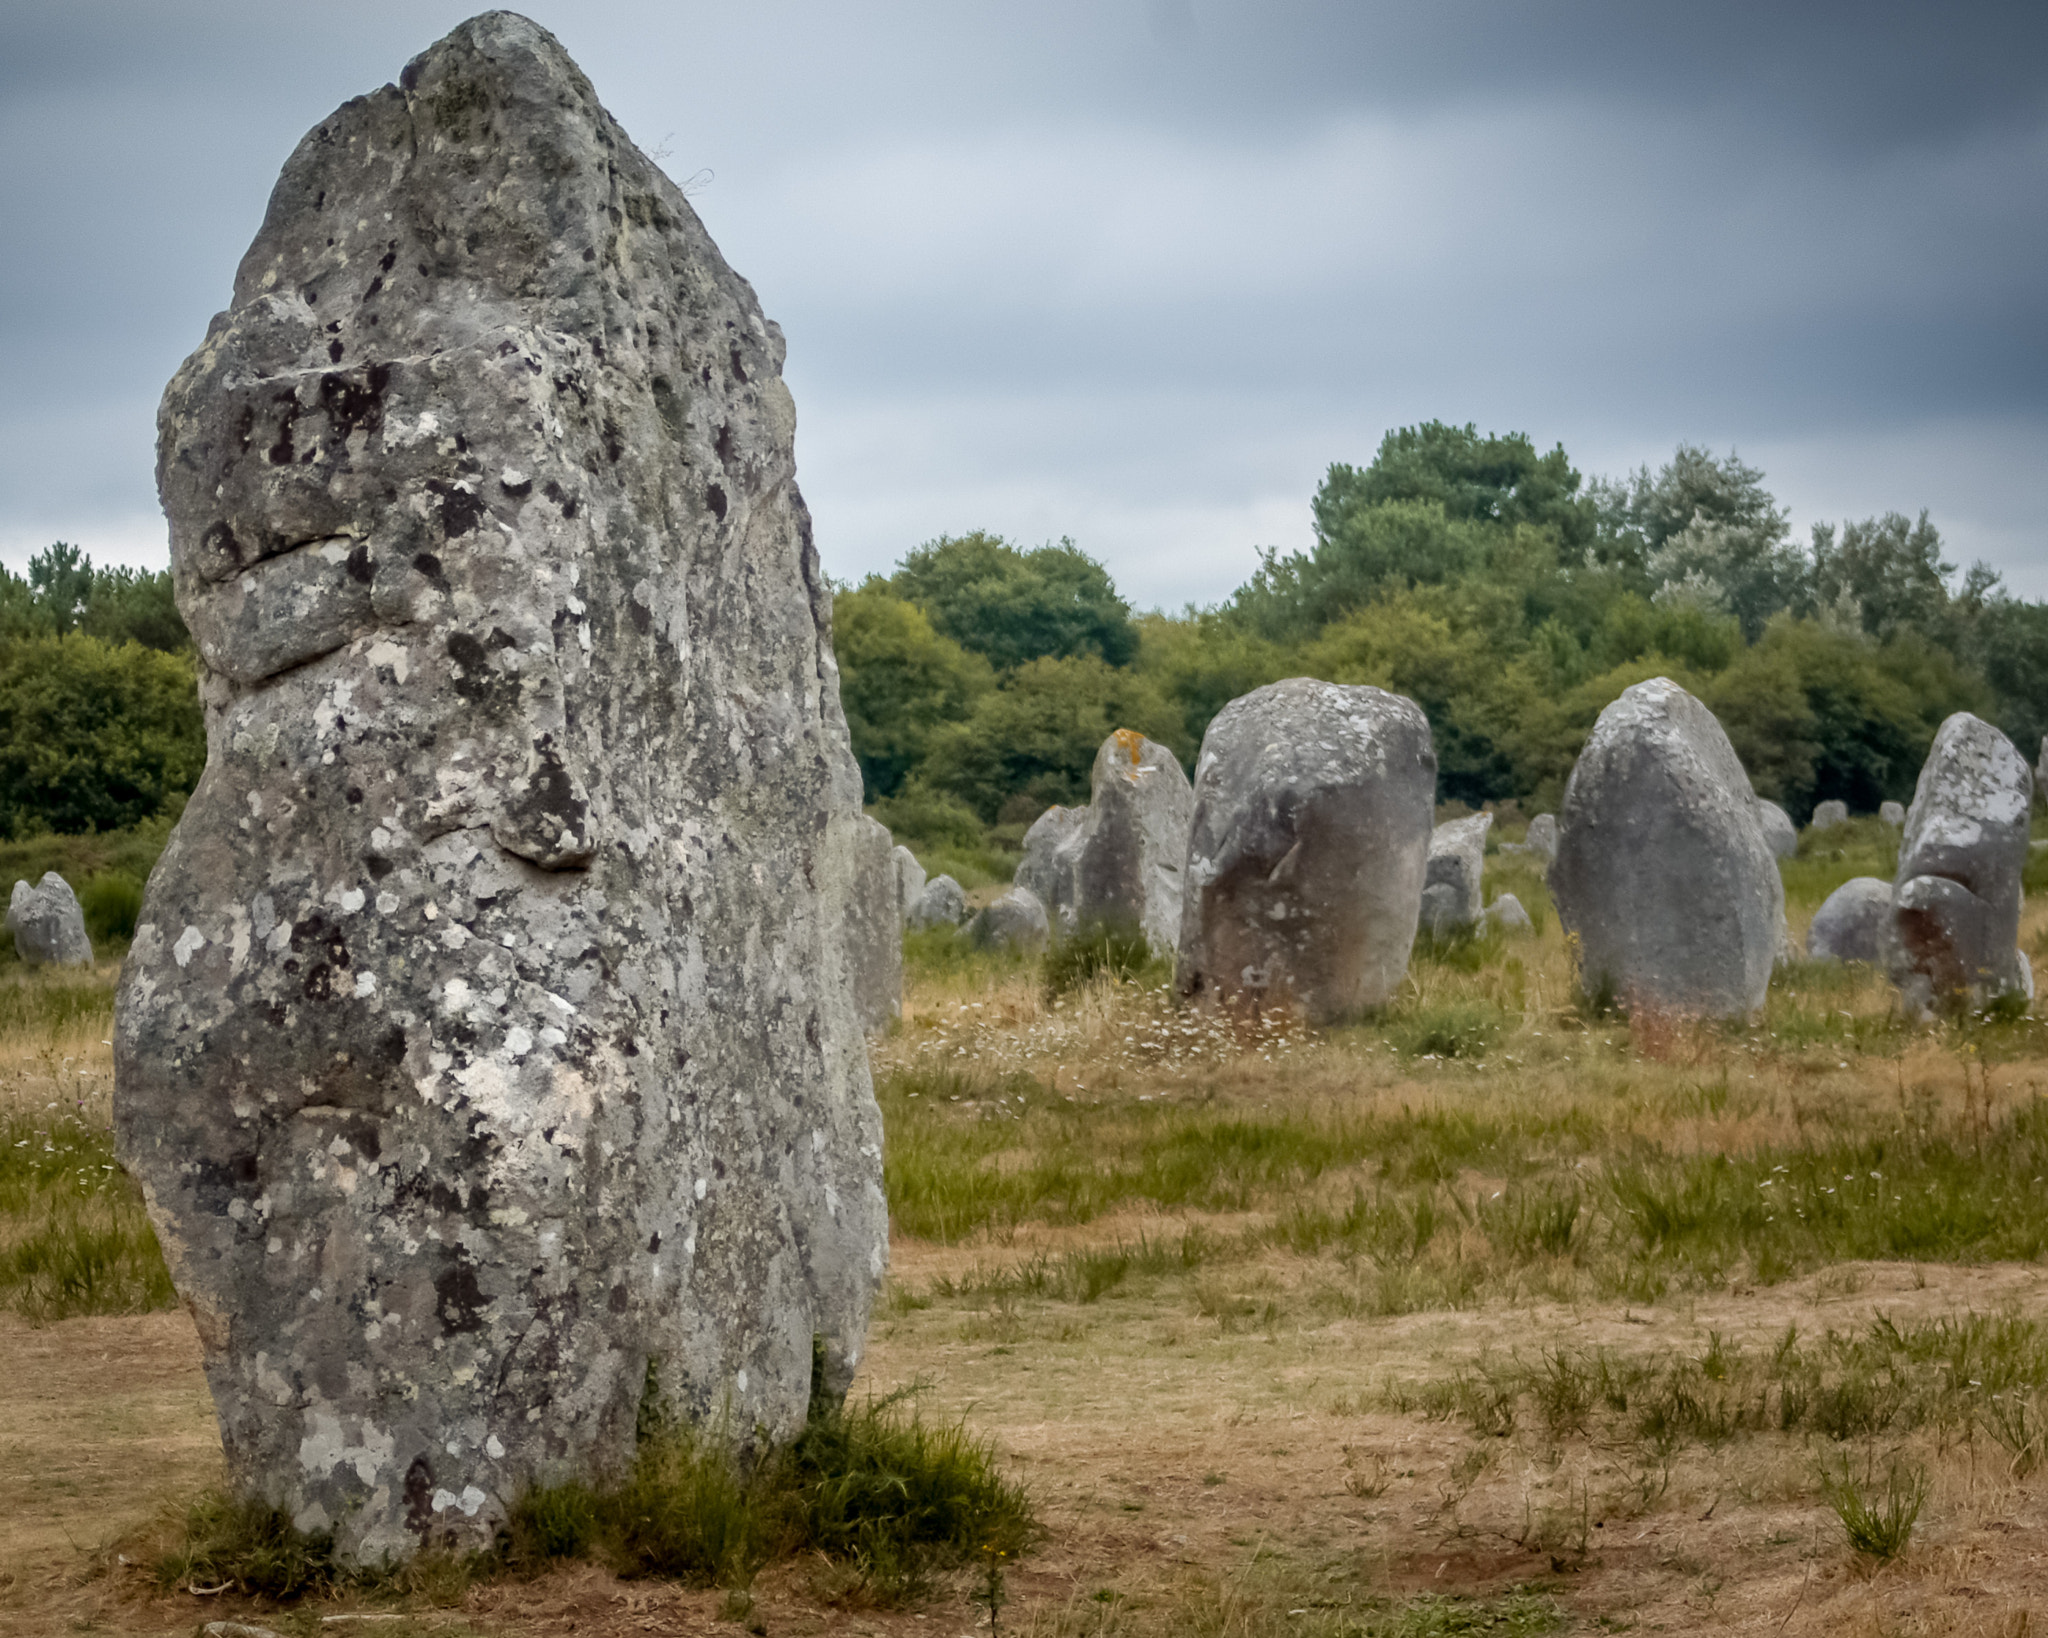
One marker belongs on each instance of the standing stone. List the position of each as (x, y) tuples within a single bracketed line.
[(910, 880), (873, 931), (1050, 867), (1307, 851), (941, 904), (1853, 922), (1542, 836), (1663, 874), (1893, 814), (1016, 921), (1956, 900), (1457, 859), (486, 1050), (1507, 915), (47, 925), (1827, 815), (1781, 836)]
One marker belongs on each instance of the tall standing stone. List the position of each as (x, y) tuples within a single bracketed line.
[(1542, 837), (1957, 896), (486, 1049), (1663, 874), (1457, 861), (872, 933), (1306, 855), (1050, 868), (910, 881)]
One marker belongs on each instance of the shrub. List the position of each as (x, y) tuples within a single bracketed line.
[(1877, 1523), (112, 903)]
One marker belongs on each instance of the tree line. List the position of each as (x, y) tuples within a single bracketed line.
[(1481, 577), (1484, 579)]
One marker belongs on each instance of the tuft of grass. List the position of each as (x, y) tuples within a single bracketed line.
[(1121, 951), (250, 1546), (1877, 1520), (74, 1239), (1446, 1029)]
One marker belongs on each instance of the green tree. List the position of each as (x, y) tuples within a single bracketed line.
[(62, 592), (1883, 574), (1034, 739), (899, 681), (1498, 478), (1361, 553), (1013, 606), (94, 736)]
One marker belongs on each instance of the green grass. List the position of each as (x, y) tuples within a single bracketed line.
[(1877, 1519), (1123, 952), (887, 1499), (1828, 858), (38, 1004), (73, 1236)]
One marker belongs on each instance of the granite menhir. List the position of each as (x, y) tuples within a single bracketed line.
[(485, 1051)]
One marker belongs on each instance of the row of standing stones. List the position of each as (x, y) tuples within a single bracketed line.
[(1310, 861), (491, 1049)]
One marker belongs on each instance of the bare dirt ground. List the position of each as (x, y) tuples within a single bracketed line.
[(1179, 1464)]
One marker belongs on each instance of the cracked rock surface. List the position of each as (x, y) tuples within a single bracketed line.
[(486, 1051), (1312, 818)]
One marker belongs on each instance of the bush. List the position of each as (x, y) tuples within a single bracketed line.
[(1122, 951), (1877, 1523), (112, 902)]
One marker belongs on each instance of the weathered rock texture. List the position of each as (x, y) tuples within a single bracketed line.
[(1827, 815), (872, 940), (942, 903), (47, 924), (1662, 872), (1050, 866), (1306, 855), (1118, 860), (1542, 837), (1014, 921), (1851, 925), (1457, 859), (1956, 899), (1893, 814), (910, 882), (486, 1050), (1780, 834)]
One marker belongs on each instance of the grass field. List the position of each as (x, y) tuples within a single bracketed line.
[(1492, 1315)]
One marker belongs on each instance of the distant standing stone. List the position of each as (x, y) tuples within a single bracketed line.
[(1050, 868), (1307, 852), (1827, 815), (1956, 901), (941, 904), (1662, 873), (910, 880), (1506, 914), (1893, 814), (1542, 837), (1853, 923), (1015, 922), (1443, 910), (872, 930), (47, 925), (1457, 859), (1780, 834)]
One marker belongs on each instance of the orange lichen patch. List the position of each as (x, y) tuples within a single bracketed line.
[(1132, 744)]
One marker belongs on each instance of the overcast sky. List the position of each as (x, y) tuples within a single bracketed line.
[(1137, 271)]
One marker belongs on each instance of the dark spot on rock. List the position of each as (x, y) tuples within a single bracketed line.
[(718, 1168), (376, 285), (408, 80), (811, 1032), (641, 616), (355, 794), (654, 1244), (319, 984), (360, 568), (714, 497), (461, 508), (469, 654), (739, 368), (523, 487), (707, 375), (430, 566), (461, 1305), (245, 428), (589, 253), (723, 444), (419, 1481), (614, 440), (334, 352), (390, 257), (355, 401), (311, 295), (281, 452), (617, 1302), (220, 541), (378, 866)]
